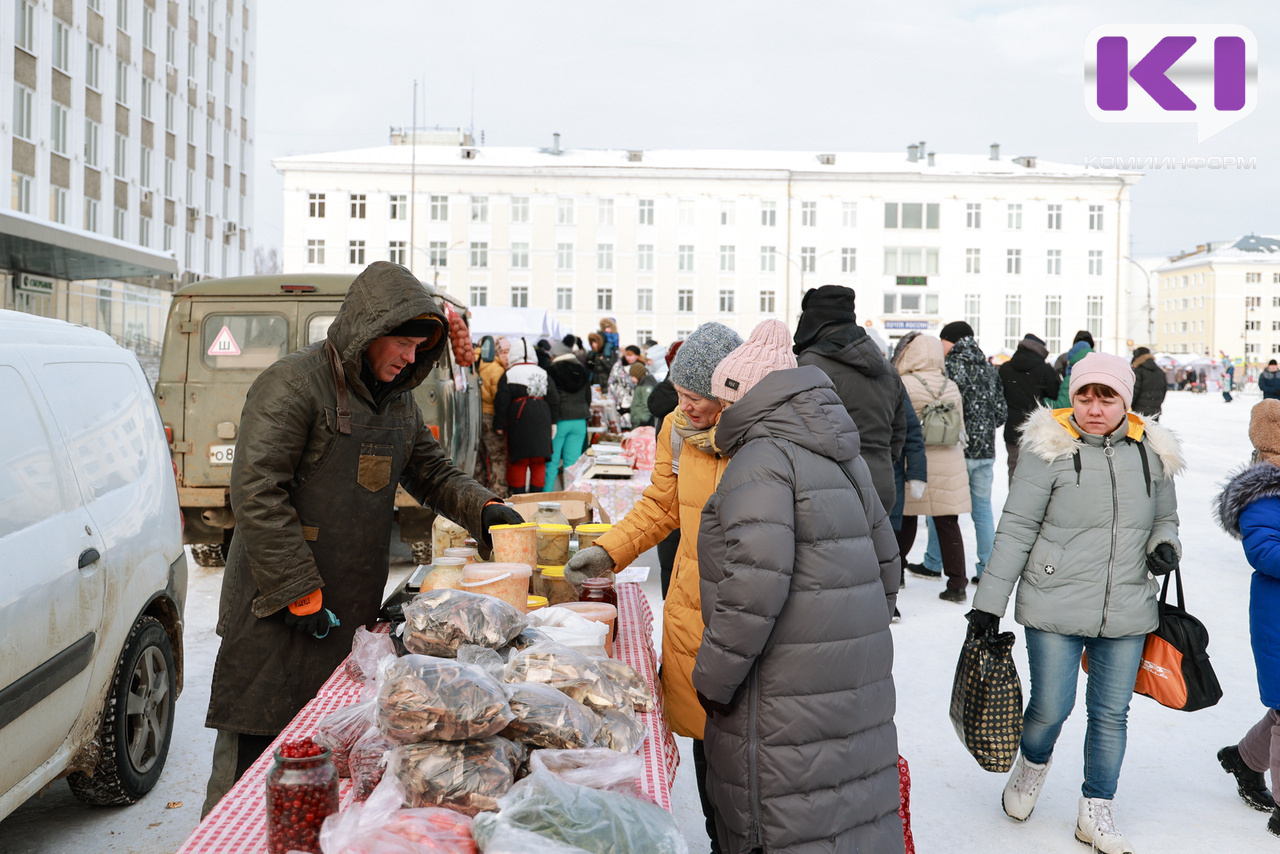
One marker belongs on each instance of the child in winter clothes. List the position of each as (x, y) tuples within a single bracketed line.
[(645, 384), (525, 408), (621, 386), (1249, 510), (609, 332)]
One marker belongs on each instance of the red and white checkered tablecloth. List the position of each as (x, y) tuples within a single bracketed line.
[(238, 824)]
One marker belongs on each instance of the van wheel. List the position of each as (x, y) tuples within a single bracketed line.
[(421, 551), (209, 554), (137, 724)]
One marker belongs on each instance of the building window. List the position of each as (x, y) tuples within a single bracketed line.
[(122, 82), (768, 299), (396, 252), (519, 296), (21, 192), (644, 257), (849, 215), (890, 303), (519, 256), (604, 212), (61, 46), (58, 205), (147, 91), (644, 334), (58, 128), (1012, 320), (170, 103), (808, 259), (1250, 302), (1013, 261), (355, 252), (91, 131), (1275, 278), (170, 45), (1095, 262), (438, 254), (144, 232), (119, 226), (684, 300), (768, 214), (479, 295), (604, 299), (848, 260), (439, 208), (909, 303), (644, 299), (90, 214), (1275, 302), (726, 302), (121, 163), (480, 254), (1253, 325), (564, 299), (564, 256), (168, 238), (399, 207), (973, 260), (315, 204), (564, 211), (973, 215), (1055, 217), (144, 169), (1250, 348), (1053, 323), (768, 259), (1093, 316), (1095, 217), (1014, 220), (1053, 265), (91, 70), (727, 264), (148, 23), (809, 213), (910, 261), (890, 214), (604, 257), (684, 256), (479, 208), (645, 212), (973, 312), (727, 213), (1252, 278), (519, 208), (23, 127), (357, 205), (687, 212), (24, 33)]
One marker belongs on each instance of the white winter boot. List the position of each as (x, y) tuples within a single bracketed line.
[(1097, 827), (1023, 788)]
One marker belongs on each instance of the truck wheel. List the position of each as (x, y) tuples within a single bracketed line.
[(137, 724), (209, 554), (421, 551)]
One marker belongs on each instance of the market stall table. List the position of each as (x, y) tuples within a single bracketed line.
[(239, 822), (616, 495)]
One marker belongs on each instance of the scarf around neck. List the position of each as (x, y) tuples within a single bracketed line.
[(704, 439)]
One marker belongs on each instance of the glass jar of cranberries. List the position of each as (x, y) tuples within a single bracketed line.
[(302, 791)]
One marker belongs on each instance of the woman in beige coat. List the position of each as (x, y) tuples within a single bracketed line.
[(919, 360)]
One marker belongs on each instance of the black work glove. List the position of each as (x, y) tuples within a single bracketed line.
[(316, 625), (1163, 559), (712, 708), (983, 623), (498, 514)]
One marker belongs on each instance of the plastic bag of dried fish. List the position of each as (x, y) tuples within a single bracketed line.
[(467, 776), (566, 670), (421, 697), (440, 621), (630, 682), (341, 730), (547, 717), (368, 761), (620, 730)]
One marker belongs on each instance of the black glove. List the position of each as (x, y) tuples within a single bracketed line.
[(498, 514), (983, 623), (712, 708), (316, 624), (1163, 559)]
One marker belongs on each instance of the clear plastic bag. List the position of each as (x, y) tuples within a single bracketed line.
[(571, 629), (422, 697), (527, 638), (438, 622), (592, 820), (367, 649), (502, 838), (547, 717), (341, 730), (566, 670), (488, 660), (620, 730), (629, 681), (380, 826), (594, 767), (467, 776), (368, 762)]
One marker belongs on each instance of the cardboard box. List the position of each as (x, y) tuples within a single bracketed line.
[(576, 506)]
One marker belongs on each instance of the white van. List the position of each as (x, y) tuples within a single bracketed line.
[(92, 571)]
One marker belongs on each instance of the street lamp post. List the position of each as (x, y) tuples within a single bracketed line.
[(1150, 306)]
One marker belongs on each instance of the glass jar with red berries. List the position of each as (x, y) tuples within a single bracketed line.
[(302, 791)]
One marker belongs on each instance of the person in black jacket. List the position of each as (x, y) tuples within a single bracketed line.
[(598, 363), (1027, 379), (573, 383), (1268, 381), (1149, 384), (525, 409)]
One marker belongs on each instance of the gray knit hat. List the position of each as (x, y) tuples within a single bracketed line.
[(705, 347)]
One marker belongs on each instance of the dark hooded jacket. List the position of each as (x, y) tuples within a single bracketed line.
[(1028, 380), (526, 404), (1149, 386), (663, 400), (980, 389), (289, 427), (573, 383), (869, 386), (1269, 384), (799, 575)]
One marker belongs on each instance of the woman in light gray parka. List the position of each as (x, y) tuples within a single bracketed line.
[(1091, 516), (799, 571)]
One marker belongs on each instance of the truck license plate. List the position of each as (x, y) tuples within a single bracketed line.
[(221, 455)]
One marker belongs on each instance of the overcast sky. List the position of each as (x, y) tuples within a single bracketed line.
[(833, 76)]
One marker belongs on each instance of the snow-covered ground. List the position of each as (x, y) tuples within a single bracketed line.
[(1173, 797)]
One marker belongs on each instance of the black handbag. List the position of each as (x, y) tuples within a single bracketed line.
[(986, 699), (1175, 670)]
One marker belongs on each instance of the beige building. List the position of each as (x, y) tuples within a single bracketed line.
[(1222, 298)]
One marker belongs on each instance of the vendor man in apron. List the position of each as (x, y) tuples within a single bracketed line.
[(326, 434)]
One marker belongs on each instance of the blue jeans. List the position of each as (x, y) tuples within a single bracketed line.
[(569, 443), (1055, 664), (980, 474)]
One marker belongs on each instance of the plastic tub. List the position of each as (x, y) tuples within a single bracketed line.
[(537, 603), (469, 553), (538, 584), (446, 573), (506, 581), (588, 534), (553, 544), (515, 543), (601, 612), (558, 589)]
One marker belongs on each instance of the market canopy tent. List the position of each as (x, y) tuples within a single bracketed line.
[(532, 323)]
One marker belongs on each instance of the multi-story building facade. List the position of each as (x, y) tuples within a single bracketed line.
[(1222, 298), (666, 240), (126, 131)]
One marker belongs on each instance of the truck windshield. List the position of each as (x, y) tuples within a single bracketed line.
[(244, 341)]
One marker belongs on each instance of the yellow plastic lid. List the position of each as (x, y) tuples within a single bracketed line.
[(512, 527), (536, 602), (552, 571), (594, 528), (552, 526)]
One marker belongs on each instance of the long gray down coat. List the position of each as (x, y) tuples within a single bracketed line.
[(799, 578)]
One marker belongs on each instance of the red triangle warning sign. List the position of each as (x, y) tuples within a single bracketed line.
[(224, 345)]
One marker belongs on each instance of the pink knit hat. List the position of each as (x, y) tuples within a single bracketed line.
[(1105, 369), (767, 350)]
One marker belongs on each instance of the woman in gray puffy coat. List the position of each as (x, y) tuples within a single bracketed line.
[(1091, 517), (799, 571)]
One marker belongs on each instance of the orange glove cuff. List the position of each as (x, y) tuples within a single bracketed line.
[(308, 604)]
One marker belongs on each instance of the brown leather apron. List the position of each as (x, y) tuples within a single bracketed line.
[(265, 671)]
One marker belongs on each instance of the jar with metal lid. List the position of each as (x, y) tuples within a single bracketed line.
[(302, 791), (469, 553), (548, 513), (557, 586)]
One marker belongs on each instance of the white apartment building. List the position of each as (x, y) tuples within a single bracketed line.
[(126, 130), (1224, 297), (665, 240)]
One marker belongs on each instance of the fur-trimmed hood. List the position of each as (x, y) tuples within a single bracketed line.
[(1249, 484), (1049, 434)]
